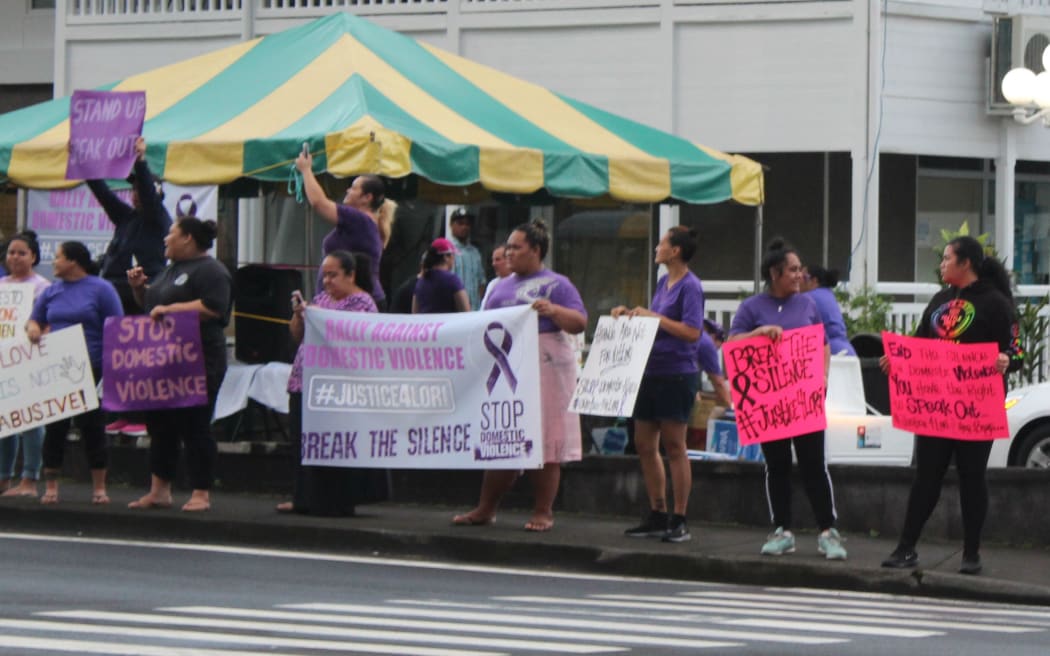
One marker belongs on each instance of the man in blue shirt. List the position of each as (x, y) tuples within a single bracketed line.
[(468, 264)]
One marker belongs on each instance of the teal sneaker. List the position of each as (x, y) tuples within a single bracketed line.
[(829, 543), (779, 542)]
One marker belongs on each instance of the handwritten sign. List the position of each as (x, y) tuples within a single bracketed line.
[(42, 383), (153, 365), (103, 126), (778, 389), (16, 304), (945, 389), (424, 391), (609, 384)]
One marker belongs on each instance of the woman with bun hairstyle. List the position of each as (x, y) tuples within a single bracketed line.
[(768, 314), (79, 296), (818, 283), (23, 253), (560, 310), (360, 224), (193, 282)]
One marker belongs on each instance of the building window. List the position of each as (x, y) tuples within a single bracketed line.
[(1032, 233), (41, 4)]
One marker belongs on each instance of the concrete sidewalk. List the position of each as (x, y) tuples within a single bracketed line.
[(583, 543)]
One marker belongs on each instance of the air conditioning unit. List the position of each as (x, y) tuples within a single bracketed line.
[(1016, 41)]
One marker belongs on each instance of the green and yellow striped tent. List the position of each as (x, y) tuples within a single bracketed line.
[(371, 100)]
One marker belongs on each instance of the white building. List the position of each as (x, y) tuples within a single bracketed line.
[(873, 116)]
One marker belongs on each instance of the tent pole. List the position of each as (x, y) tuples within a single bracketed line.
[(758, 248)]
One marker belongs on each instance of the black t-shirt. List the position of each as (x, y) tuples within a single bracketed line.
[(203, 278)]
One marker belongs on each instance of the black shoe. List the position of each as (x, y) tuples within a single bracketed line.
[(654, 526), (970, 565), (677, 530), (902, 559)]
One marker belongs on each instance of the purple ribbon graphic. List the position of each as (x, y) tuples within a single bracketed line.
[(500, 354)]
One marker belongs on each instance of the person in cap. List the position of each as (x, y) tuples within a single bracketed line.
[(468, 264), (438, 289)]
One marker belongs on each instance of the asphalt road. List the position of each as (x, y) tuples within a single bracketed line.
[(63, 595)]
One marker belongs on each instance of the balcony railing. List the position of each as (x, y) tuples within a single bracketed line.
[(136, 10)]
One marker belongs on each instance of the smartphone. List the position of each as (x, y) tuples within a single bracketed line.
[(297, 298), (306, 148)]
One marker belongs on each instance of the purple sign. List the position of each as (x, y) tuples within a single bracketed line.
[(153, 365), (103, 126)]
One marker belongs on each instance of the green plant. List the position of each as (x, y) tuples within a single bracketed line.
[(865, 311), (1032, 334)]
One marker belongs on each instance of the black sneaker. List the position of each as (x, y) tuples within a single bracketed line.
[(902, 559), (677, 530), (654, 526), (970, 565)]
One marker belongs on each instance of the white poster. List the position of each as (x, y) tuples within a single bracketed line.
[(425, 391), (74, 215), (609, 384), (16, 304), (42, 383)]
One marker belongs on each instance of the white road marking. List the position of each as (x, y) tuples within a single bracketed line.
[(120, 648)]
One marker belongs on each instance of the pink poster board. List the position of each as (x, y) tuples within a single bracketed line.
[(103, 126), (945, 389), (777, 388)]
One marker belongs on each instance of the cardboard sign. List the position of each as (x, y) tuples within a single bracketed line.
[(153, 365), (42, 383), (944, 389), (614, 368), (103, 126), (16, 304), (424, 391), (777, 388)]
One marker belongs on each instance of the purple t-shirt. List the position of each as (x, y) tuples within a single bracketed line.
[(87, 301), (523, 290), (834, 325), (436, 292), (359, 302), (707, 356), (764, 309), (356, 232), (683, 302)]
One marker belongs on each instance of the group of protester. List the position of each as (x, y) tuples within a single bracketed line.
[(975, 306), (152, 266)]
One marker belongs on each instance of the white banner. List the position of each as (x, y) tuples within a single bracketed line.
[(616, 361), (425, 391), (42, 383), (74, 215), (16, 304)]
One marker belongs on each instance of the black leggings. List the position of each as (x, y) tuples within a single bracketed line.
[(809, 450), (932, 457), (92, 427), (191, 427)]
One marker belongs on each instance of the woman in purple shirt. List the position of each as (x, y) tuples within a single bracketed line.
[(781, 307), (818, 284), (361, 224), (439, 290), (668, 389), (560, 310)]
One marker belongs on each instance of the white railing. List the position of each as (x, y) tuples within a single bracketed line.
[(139, 10), (303, 8)]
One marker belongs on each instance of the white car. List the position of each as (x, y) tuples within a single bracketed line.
[(1028, 411)]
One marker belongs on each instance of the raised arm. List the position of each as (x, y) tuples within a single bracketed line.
[(319, 201)]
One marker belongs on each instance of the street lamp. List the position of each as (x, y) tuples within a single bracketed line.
[(1029, 93)]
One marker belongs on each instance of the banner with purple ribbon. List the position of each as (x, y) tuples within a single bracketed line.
[(153, 365), (103, 126), (424, 391)]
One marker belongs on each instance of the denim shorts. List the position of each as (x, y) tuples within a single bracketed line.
[(666, 398)]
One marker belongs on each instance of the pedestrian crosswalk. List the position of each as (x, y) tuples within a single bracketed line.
[(686, 620)]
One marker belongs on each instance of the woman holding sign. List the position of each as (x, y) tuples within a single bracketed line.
[(78, 297), (347, 287), (668, 389), (560, 310), (782, 307), (23, 253), (976, 306), (193, 282)]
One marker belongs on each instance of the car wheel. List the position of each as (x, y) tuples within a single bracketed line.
[(1034, 451)]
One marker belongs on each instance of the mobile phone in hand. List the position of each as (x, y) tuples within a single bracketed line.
[(306, 148), (297, 298)]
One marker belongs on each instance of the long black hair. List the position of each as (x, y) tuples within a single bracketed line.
[(27, 237), (775, 257), (824, 277), (76, 251), (989, 269), (359, 264)]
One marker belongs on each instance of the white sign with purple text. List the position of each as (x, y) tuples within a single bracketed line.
[(42, 383), (424, 391)]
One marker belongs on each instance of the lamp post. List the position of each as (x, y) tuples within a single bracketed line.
[(1029, 93)]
